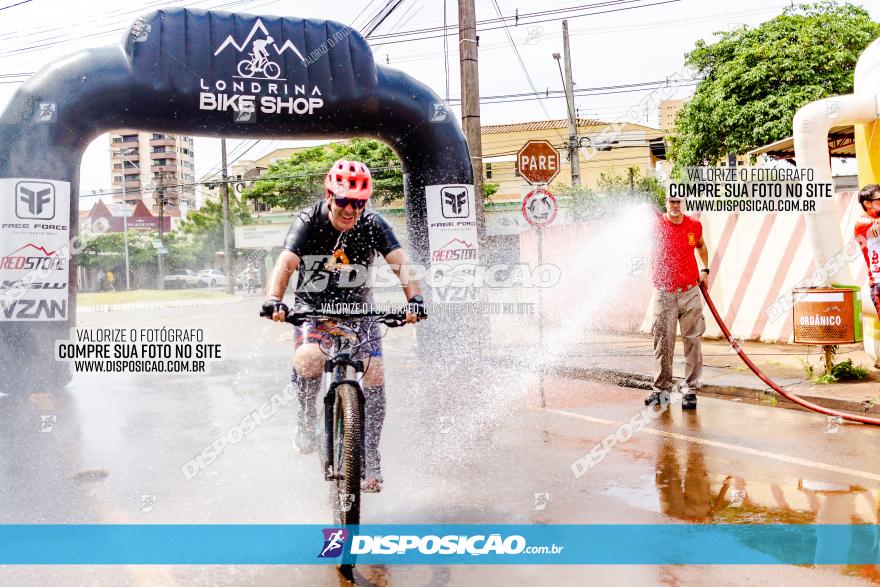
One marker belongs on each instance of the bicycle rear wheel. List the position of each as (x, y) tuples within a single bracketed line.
[(349, 451)]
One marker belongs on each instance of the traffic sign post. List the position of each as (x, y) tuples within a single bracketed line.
[(540, 208)]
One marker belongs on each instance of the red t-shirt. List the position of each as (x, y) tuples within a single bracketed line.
[(674, 263), (867, 233)]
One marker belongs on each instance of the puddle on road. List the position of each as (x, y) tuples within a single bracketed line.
[(686, 487)]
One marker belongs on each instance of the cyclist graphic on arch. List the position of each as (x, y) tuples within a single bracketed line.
[(259, 62)]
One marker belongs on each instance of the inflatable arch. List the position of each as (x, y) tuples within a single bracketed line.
[(193, 72)]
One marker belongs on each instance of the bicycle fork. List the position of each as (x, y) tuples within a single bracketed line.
[(340, 370)]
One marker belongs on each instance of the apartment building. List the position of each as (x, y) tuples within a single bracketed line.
[(143, 163)]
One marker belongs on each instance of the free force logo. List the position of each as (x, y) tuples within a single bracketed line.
[(456, 203), (34, 200), (334, 542)]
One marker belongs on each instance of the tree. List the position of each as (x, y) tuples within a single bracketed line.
[(754, 80), (297, 181), (612, 190), (204, 227), (107, 251)]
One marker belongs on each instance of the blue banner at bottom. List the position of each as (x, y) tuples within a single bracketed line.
[(658, 544)]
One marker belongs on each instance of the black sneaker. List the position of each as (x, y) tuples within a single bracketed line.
[(657, 397), (689, 401)]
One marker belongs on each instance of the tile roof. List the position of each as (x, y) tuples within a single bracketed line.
[(538, 125)]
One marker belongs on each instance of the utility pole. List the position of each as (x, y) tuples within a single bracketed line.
[(161, 191), (123, 153), (227, 253), (574, 160), (470, 104)]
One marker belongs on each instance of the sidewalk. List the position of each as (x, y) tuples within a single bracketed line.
[(238, 297), (627, 360)]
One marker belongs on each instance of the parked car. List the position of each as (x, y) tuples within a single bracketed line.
[(212, 278), (185, 278)]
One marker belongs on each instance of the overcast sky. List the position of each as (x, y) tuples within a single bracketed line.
[(642, 44)]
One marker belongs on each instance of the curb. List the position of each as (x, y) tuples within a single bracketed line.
[(760, 395), (157, 305)]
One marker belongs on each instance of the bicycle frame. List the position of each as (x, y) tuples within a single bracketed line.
[(339, 369)]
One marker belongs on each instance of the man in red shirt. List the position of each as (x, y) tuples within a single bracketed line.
[(867, 233), (677, 301)]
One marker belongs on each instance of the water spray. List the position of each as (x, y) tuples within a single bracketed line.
[(787, 395)]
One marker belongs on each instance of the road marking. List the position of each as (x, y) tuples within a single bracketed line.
[(732, 447)]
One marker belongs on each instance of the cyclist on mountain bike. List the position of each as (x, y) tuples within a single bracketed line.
[(331, 242)]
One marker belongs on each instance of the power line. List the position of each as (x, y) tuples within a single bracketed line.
[(595, 90), (378, 19), (208, 183), (519, 58), (492, 28), (16, 4), (115, 27), (434, 29)]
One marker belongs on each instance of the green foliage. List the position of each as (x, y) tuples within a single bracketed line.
[(754, 80), (107, 251), (203, 230), (842, 371), (809, 371), (846, 370), (825, 379), (297, 181), (612, 189), (490, 189)]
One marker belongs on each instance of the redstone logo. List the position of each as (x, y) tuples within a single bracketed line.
[(48, 261), (455, 250)]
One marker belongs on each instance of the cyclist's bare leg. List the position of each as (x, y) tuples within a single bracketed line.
[(308, 360), (306, 376), (374, 412)]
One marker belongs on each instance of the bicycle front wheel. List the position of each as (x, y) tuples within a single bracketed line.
[(272, 70), (349, 452)]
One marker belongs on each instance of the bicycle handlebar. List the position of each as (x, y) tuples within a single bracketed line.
[(391, 319)]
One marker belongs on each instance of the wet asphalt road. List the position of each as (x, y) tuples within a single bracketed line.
[(478, 453)]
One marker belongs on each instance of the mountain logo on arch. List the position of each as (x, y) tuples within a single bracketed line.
[(259, 64)]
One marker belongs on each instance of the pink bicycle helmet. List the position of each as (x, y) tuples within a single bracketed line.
[(351, 179)]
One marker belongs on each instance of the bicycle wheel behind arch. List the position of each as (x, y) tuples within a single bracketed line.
[(349, 451)]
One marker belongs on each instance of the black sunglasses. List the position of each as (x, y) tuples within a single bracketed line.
[(342, 202)]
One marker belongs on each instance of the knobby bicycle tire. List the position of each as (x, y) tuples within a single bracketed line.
[(352, 451)]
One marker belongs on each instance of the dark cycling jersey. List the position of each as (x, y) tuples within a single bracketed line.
[(334, 265)]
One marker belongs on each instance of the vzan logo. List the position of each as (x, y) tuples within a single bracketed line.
[(455, 202), (34, 200), (257, 82)]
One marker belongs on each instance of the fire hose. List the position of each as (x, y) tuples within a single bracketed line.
[(787, 395)]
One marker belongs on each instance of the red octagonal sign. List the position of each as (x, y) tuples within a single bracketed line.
[(538, 162)]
